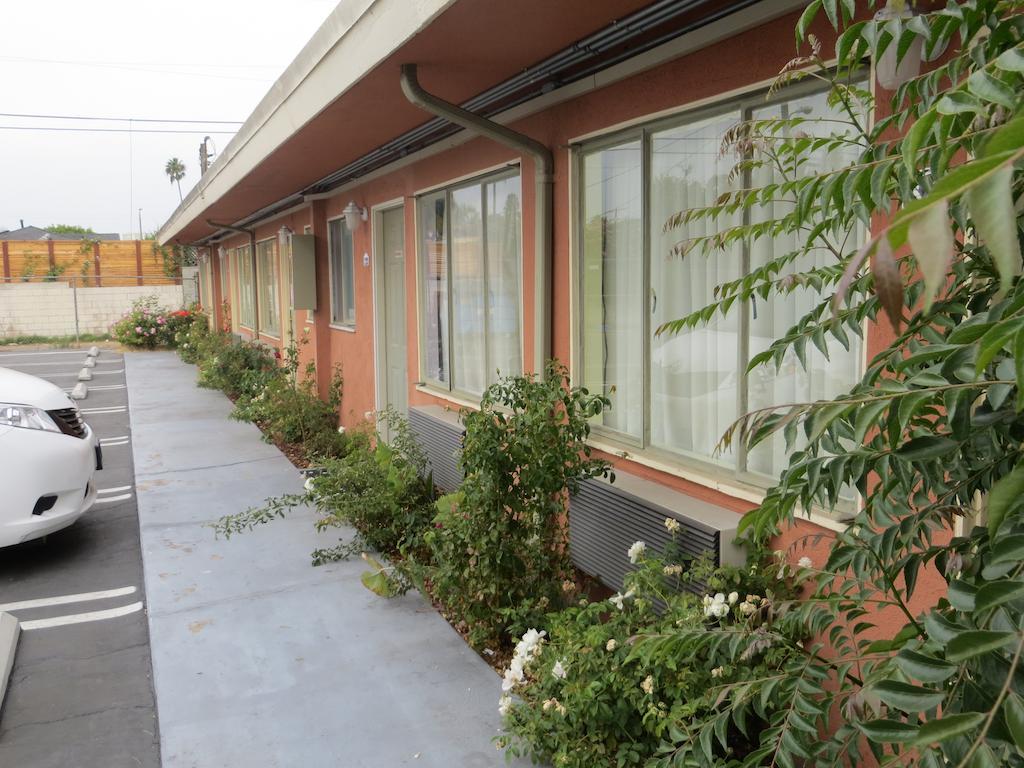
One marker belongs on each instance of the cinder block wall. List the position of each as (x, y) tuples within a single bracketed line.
[(48, 309)]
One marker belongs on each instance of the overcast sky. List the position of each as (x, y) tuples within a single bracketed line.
[(180, 60)]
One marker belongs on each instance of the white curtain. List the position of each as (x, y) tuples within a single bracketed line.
[(467, 259), (694, 373), (824, 378), (613, 283), (434, 271), (504, 223)]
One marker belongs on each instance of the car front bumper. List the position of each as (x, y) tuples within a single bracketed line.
[(36, 463)]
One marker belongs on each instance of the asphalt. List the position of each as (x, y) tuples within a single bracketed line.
[(260, 659), (81, 695)]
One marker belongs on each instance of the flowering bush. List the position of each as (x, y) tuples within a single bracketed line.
[(499, 546), (148, 325), (582, 694)]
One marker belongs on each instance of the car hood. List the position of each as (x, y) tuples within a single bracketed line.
[(23, 389)]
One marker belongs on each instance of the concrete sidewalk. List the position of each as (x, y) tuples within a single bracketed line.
[(260, 659)]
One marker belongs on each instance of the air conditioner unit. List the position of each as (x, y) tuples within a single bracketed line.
[(604, 518)]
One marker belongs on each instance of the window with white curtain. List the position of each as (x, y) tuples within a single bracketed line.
[(246, 310), (341, 251), (677, 394), (469, 261), (269, 295)]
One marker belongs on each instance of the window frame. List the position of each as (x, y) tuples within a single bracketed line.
[(480, 179), (243, 253), (261, 287), (341, 324), (626, 445)]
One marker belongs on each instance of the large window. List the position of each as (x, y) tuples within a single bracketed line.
[(343, 297), (268, 293), (243, 264), (469, 259), (679, 393)]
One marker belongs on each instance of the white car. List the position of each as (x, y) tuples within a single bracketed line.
[(48, 457)]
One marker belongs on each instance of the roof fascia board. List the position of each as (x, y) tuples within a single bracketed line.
[(354, 39)]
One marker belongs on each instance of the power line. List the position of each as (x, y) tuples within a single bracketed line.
[(107, 130), (122, 119), (17, 59)]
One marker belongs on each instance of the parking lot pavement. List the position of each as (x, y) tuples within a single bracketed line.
[(81, 693)]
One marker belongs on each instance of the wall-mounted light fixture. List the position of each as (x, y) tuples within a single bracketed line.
[(353, 215), (284, 235), (891, 73), (221, 253)]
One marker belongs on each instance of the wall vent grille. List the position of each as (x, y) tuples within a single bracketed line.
[(439, 434)]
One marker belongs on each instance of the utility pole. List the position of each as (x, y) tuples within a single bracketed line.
[(140, 223)]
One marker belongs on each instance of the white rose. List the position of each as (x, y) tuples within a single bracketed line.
[(636, 552)]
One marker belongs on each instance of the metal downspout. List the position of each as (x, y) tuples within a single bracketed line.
[(543, 164), (252, 260)]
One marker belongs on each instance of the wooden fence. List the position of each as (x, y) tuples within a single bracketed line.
[(91, 263)]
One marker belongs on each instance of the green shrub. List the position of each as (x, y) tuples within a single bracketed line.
[(238, 369), (580, 695), (500, 545), (194, 339), (148, 325), (376, 488)]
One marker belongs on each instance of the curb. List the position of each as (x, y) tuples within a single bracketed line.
[(9, 631)]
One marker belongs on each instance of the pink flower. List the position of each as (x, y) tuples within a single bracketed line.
[(161, 320), (138, 329)]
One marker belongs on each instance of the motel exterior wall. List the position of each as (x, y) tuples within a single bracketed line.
[(742, 64)]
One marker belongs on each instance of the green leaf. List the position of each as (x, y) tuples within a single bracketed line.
[(926, 447), (976, 642), (915, 138), (991, 205), (1008, 138), (948, 727), (908, 698), (985, 86), (927, 669), (941, 629), (997, 593), (962, 595), (808, 16), (1006, 493), (1011, 60), (992, 343), (889, 731), (1008, 549), (953, 184), (1013, 711), (931, 239)]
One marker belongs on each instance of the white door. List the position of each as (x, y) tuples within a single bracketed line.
[(391, 317)]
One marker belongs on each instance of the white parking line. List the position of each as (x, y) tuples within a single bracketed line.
[(94, 373), (115, 444), (114, 490), (108, 499), (37, 365), (82, 597), (81, 618), (111, 409), (46, 352)]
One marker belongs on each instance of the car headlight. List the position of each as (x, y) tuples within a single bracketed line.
[(26, 417)]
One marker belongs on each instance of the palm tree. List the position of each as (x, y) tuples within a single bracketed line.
[(175, 170)]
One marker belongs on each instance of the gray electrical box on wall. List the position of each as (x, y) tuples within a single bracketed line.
[(303, 272)]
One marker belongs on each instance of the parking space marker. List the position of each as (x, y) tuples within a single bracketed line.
[(114, 490), (108, 499), (45, 352), (111, 409), (114, 439), (83, 597), (80, 618)]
